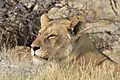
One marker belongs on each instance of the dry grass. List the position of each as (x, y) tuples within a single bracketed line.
[(80, 73), (54, 72), (84, 72)]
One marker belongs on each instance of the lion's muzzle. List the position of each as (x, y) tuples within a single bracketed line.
[(34, 49)]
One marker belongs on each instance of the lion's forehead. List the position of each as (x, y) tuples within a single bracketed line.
[(53, 27), (50, 30), (57, 24)]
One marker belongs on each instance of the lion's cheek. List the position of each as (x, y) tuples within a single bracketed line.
[(52, 42)]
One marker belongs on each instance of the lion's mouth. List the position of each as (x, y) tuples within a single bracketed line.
[(39, 57), (44, 58), (39, 54)]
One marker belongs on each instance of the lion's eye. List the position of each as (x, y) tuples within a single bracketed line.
[(52, 36), (50, 39)]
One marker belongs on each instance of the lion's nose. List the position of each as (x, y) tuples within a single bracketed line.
[(35, 48)]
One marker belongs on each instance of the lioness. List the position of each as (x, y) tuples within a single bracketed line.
[(60, 40)]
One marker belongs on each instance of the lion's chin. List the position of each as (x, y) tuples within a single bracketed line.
[(39, 60)]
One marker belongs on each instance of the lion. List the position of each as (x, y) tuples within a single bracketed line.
[(61, 41)]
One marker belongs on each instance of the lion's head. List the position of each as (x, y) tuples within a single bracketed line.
[(54, 39)]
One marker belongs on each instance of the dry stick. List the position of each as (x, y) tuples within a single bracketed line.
[(115, 3), (112, 6)]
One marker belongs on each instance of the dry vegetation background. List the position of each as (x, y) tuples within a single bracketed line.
[(19, 23)]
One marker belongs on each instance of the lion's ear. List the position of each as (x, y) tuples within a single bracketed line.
[(44, 20), (76, 23)]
